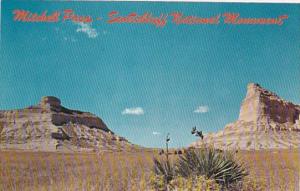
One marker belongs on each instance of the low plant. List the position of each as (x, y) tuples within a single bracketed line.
[(248, 184), (202, 169), (211, 163), (198, 183), (164, 169), (157, 182)]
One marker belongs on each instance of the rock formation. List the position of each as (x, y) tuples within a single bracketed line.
[(49, 126), (265, 122)]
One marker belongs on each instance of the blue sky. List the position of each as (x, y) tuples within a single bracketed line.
[(145, 81)]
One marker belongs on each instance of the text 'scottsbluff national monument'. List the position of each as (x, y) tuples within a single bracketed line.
[(49, 126), (266, 122)]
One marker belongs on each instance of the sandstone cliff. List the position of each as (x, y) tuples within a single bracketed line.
[(49, 126), (265, 122)]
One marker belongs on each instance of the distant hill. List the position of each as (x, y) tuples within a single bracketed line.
[(266, 122), (48, 126)]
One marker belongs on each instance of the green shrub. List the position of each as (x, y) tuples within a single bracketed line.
[(213, 164), (196, 168), (165, 169)]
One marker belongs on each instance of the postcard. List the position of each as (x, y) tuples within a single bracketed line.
[(149, 96)]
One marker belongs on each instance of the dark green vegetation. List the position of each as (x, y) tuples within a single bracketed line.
[(222, 167)]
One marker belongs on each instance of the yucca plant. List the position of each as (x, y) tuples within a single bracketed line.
[(211, 163), (165, 169)]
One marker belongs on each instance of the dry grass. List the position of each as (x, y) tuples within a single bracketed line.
[(278, 169), (80, 171), (123, 171)]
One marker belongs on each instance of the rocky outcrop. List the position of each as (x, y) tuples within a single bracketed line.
[(265, 122), (48, 126), (263, 105)]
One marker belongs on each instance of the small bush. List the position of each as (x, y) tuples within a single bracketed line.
[(165, 169), (212, 164), (205, 169)]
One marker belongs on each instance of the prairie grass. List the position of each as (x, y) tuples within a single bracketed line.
[(122, 171), (77, 171), (278, 169)]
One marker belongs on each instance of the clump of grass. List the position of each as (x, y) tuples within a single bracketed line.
[(184, 184), (210, 164), (213, 164), (248, 184), (165, 169), (195, 183)]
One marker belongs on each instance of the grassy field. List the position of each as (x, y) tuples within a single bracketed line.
[(121, 171), (279, 170), (59, 171)]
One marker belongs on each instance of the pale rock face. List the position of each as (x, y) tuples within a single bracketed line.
[(265, 122), (261, 104), (50, 101), (49, 126), (251, 107)]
